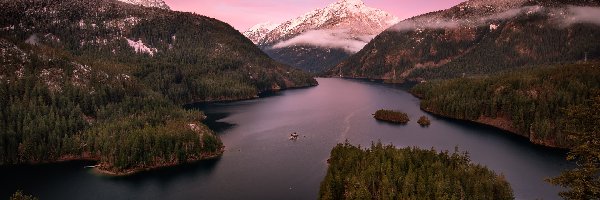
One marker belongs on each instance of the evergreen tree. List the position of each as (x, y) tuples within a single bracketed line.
[(583, 127)]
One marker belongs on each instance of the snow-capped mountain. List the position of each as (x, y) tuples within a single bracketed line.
[(351, 15), (257, 32), (148, 3), (322, 37)]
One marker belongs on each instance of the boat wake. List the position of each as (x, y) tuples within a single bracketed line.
[(347, 126)]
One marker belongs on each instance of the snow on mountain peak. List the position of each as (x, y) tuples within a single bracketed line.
[(353, 16), (148, 3), (264, 26), (257, 32)]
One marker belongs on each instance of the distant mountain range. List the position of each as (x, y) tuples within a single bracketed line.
[(323, 37), (480, 37)]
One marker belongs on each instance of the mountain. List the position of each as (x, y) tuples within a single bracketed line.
[(148, 3), (322, 37), (103, 80), (480, 37), (190, 58), (259, 31)]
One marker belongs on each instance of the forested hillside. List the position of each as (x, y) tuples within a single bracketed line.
[(527, 102), (479, 37), (384, 172), (105, 80), (55, 108), (187, 57)]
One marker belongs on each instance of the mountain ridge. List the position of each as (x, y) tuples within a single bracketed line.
[(477, 38), (324, 36), (258, 31), (333, 16)]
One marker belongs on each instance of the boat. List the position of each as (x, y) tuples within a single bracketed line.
[(294, 136)]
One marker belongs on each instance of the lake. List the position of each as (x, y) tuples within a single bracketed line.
[(260, 162)]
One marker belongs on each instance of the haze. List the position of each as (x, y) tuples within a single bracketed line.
[(243, 14)]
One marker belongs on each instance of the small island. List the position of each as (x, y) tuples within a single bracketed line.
[(391, 116), (424, 121)]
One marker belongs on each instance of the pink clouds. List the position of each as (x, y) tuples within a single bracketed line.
[(242, 14)]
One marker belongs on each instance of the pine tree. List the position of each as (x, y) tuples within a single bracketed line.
[(583, 127)]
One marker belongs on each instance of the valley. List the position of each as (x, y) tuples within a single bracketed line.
[(106, 81), (257, 146), (322, 38), (153, 99)]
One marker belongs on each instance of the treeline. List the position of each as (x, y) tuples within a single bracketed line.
[(473, 50), (532, 100), (531, 45), (582, 181), (54, 108), (391, 116), (307, 58), (154, 132), (384, 172)]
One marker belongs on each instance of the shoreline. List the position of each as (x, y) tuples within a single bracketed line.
[(88, 157), (257, 96), (103, 172), (491, 125), (97, 166)]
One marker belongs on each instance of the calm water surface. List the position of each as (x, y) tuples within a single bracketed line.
[(261, 163)]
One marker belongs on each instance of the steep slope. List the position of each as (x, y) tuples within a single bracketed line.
[(103, 80), (479, 37), (55, 107), (148, 3), (189, 58), (323, 37)]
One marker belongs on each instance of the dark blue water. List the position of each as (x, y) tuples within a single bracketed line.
[(261, 163)]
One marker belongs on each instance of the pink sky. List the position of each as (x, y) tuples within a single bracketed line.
[(243, 14)]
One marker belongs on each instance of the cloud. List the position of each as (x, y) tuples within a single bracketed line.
[(409, 25), (513, 13), (578, 14), (444, 23), (337, 39), (33, 40), (341, 39)]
